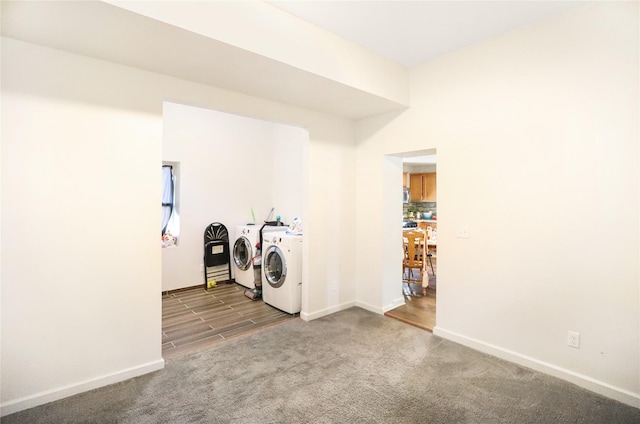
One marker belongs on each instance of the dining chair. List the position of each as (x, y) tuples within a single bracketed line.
[(415, 255)]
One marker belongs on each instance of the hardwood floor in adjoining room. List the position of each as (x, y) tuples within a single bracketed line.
[(418, 310), (194, 318)]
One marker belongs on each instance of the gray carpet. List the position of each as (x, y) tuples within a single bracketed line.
[(350, 367)]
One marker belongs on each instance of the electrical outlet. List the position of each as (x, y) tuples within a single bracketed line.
[(201, 267), (573, 339), (463, 232)]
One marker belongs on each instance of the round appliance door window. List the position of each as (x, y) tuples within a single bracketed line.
[(242, 253), (275, 268)]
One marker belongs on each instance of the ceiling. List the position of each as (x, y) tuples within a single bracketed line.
[(408, 32), (414, 32), (108, 32)]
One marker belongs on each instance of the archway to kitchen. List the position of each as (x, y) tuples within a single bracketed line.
[(417, 302)]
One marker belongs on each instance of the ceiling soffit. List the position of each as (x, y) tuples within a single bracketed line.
[(107, 32)]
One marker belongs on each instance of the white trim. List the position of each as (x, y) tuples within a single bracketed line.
[(399, 301), (371, 308), (366, 306), (328, 311), (74, 389), (586, 382), (381, 310)]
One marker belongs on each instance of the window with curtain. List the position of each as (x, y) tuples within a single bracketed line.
[(170, 220)]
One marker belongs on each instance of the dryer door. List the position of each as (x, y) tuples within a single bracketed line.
[(242, 253), (275, 267)]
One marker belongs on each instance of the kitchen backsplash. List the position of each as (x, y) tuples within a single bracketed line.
[(409, 209)]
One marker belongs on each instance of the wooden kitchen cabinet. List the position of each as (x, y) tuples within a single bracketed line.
[(423, 187), (415, 187), (405, 179), (429, 183)]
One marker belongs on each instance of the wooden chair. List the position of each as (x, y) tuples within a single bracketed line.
[(415, 254)]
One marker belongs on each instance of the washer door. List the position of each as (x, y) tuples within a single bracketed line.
[(275, 267), (242, 253)]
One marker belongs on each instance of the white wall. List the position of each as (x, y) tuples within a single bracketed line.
[(229, 165), (82, 149), (329, 227), (81, 265), (290, 149), (537, 140)]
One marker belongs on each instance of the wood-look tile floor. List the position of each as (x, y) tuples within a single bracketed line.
[(418, 310), (194, 319)]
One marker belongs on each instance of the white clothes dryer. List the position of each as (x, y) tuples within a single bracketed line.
[(282, 271), (244, 250)]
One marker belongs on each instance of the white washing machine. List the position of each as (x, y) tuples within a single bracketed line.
[(282, 271), (244, 249)]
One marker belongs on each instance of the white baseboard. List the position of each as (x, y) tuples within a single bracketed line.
[(371, 308), (74, 389), (381, 310), (366, 306), (586, 382), (305, 316), (399, 301)]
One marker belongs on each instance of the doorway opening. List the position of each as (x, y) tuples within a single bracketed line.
[(243, 171), (418, 282)]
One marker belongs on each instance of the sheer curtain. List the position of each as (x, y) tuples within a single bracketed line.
[(167, 197)]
